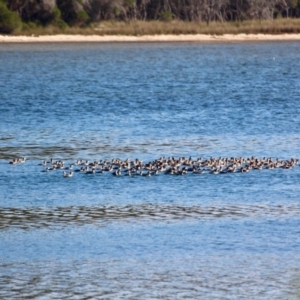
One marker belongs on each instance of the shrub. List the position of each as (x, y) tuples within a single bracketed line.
[(57, 21), (56, 14), (61, 24), (29, 25), (166, 16), (9, 21), (81, 17)]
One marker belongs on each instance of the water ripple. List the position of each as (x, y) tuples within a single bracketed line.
[(148, 280), (40, 217)]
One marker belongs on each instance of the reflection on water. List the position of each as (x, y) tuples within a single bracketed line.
[(39, 217)]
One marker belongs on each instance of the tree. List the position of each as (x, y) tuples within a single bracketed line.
[(237, 10), (262, 9), (72, 12), (286, 6), (213, 10), (100, 10)]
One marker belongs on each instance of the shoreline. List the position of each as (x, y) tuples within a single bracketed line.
[(64, 38)]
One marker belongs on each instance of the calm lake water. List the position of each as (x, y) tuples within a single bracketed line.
[(199, 236)]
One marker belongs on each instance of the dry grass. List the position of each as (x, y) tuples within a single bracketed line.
[(139, 28)]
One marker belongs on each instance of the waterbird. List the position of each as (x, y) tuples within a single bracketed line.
[(117, 172), (147, 174), (44, 163), (69, 167), (90, 171), (198, 171), (14, 161), (65, 174), (171, 165)]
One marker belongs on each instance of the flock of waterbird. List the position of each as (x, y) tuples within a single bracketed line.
[(163, 165)]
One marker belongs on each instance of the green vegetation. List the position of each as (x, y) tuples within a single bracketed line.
[(140, 17), (9, 21)]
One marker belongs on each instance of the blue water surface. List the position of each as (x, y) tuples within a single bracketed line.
[(234, 236)]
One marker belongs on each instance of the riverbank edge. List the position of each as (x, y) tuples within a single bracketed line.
[(64, 38)]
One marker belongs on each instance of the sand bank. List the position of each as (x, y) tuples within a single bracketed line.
[(150, 38)]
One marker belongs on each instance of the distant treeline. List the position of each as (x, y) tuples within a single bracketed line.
[(68, 13)]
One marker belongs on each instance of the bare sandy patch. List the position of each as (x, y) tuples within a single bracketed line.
[(149, 38)]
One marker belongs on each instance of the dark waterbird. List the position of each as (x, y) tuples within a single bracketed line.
[(171, 166)]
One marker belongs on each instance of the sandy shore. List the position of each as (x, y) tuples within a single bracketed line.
[(150, 38)]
